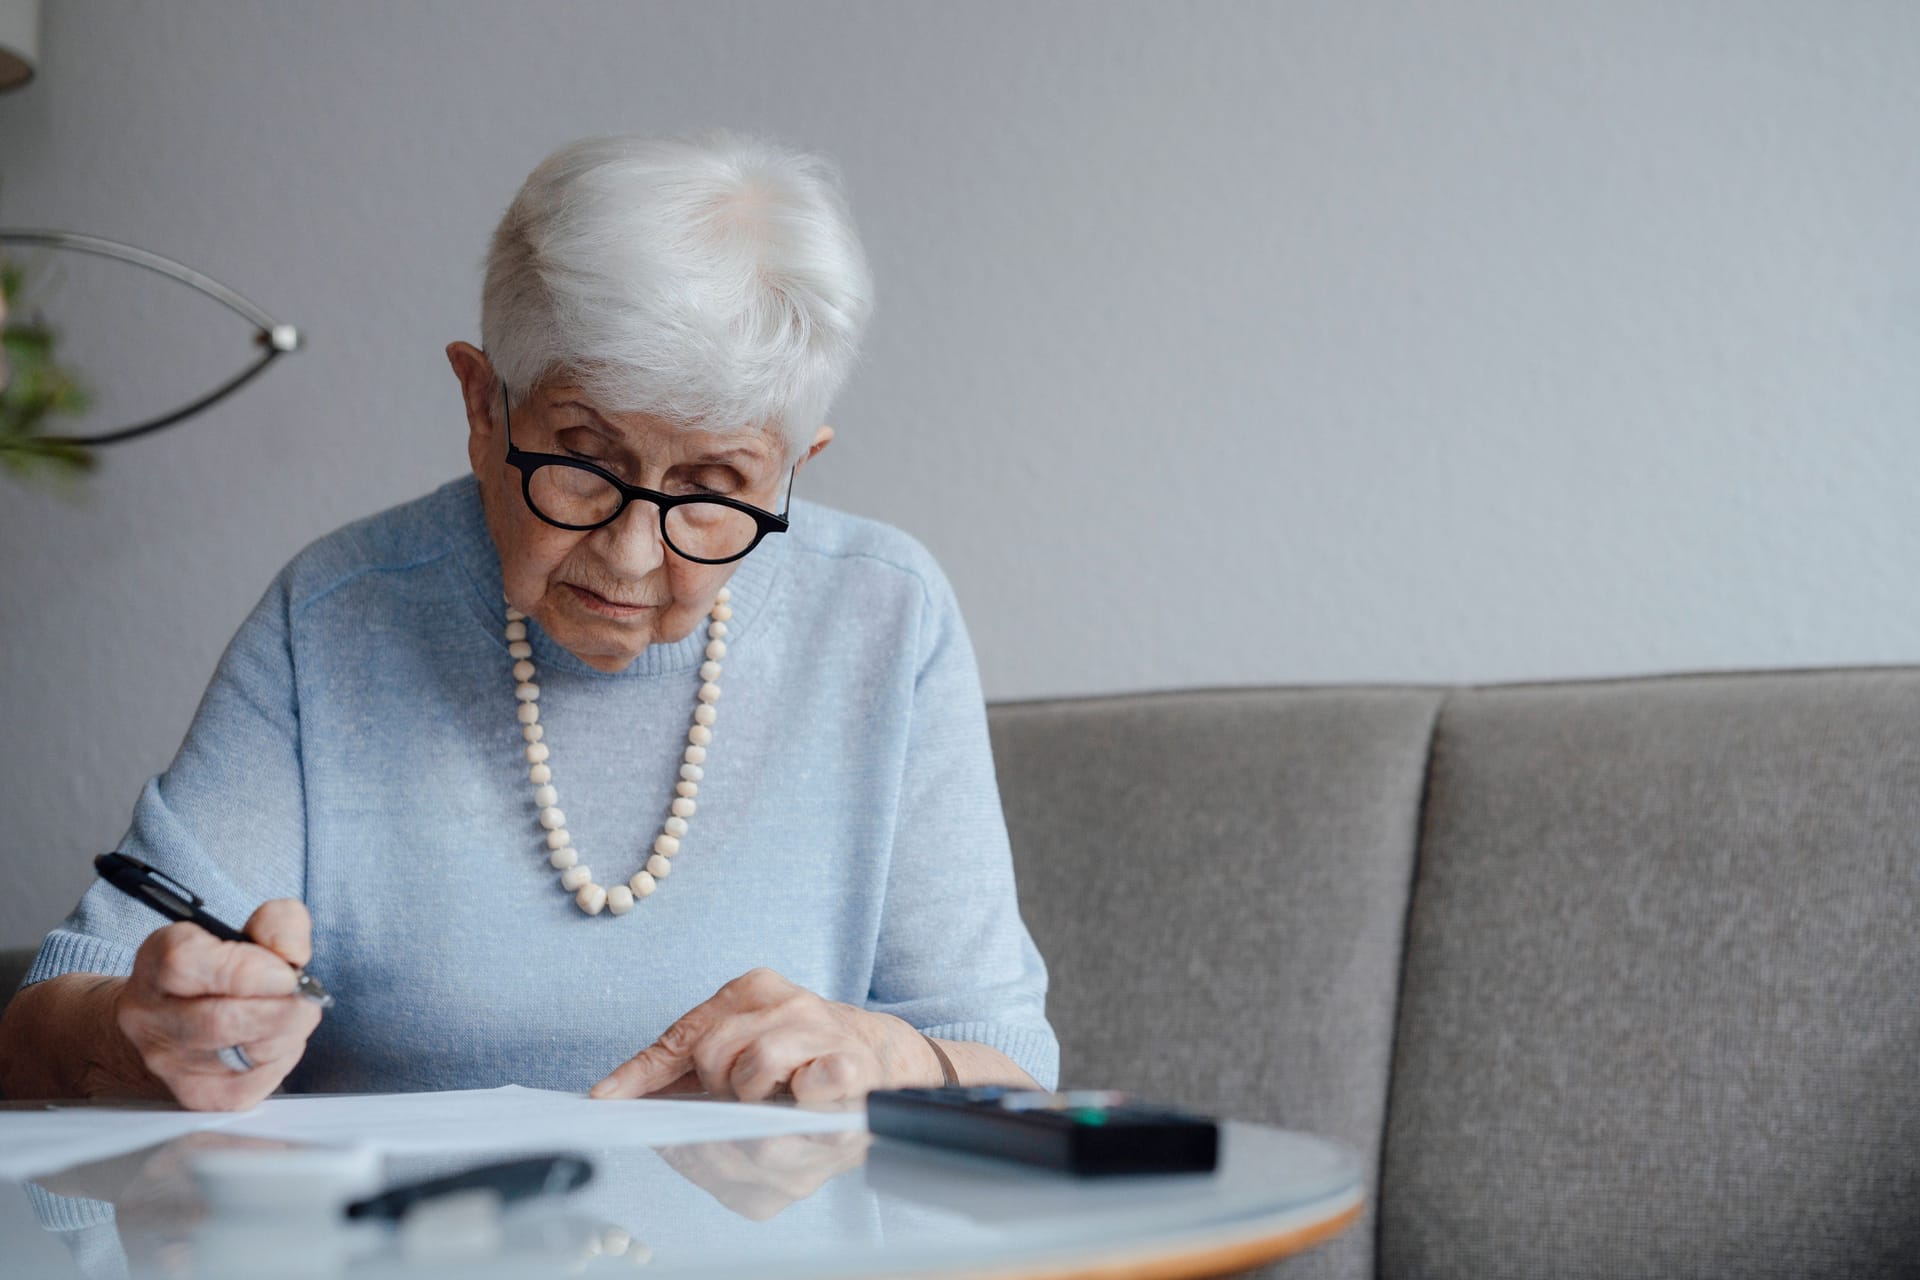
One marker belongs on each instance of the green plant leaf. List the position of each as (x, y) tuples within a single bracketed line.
[(36, 389)]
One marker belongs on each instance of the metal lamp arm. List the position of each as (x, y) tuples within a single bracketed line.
[(274, 338)]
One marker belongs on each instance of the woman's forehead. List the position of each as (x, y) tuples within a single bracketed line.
[(648, 433)]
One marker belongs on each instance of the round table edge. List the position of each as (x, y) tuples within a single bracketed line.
[(1208, 1257)]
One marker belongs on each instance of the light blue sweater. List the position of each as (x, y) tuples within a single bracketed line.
[(358, 749)]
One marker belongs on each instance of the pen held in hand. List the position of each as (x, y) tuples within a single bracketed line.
[(177, 902)]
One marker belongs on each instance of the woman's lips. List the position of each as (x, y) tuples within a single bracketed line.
[(604, 607)]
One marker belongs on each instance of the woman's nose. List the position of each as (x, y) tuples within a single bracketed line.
[(632, 543)]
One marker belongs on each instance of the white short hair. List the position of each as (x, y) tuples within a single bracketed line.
[(715, 281)]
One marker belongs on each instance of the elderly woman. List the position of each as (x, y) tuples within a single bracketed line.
[(474, 755)]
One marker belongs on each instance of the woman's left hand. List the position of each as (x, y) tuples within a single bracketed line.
[(761, 1033)]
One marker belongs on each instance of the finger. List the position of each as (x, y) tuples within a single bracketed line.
[(215, 1022), (827, 1163), (283, 927), (660, 1063), (803, 1153), (831, 1077), (688, 1083), (278, 1053), (671, 1056), (767, 1065), (222, 1090), (716, 1056), (188, 961), (755, 1202), (728, 1174)]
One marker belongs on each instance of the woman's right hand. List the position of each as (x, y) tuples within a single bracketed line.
[(191, 995)]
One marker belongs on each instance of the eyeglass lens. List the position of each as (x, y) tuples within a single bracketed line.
[(701, 530)]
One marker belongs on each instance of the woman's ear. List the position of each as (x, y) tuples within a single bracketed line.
[(479, 389), (821, 439)]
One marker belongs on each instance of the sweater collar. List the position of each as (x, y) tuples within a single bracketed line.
[(752, 585)]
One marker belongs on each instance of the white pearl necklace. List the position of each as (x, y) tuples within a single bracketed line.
[(576, 877)]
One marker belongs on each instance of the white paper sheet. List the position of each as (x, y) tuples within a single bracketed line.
[(37, 1142), (511, 1118)]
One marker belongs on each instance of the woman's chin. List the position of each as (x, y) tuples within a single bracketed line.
[(601, 643), (601, 659)]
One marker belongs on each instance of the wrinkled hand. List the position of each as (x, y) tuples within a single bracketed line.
[(760, 1034), (759, 1177), (191, 995)]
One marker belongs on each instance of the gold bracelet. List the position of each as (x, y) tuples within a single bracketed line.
[(948, 1074)]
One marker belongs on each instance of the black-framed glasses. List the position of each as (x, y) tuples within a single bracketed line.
[(570, 493)]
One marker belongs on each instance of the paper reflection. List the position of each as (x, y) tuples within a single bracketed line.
[(783, 1195)]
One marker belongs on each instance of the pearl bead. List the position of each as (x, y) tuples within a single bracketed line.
[(575, 876), (532, 732), (709, 692), (591, 898), (709, 671), (682, 807), (658, 867), (675, 827), (516, 630), (552, 818), (529, 713), (693, 773), (523, 670), (695, 754), (687, 789), (642, 884), (546, 797), (619, 900), (514, 615), (540, 776), (699, 735), (705, 714), (725, 594), (716, 630), (559, 839), (520, 649), (666, 846), (716, 649), (527, 691), (537, 752), (564, 857), (722, 612)]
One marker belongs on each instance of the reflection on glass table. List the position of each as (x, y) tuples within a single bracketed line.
[(796, 1205)]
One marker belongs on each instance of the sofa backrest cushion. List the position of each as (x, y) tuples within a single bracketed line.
[(1661, 1013), (1218, 882)]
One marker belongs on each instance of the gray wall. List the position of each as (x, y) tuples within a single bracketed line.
[(1217, 343)]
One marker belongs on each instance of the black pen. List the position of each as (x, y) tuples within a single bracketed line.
[(510, 1179), (177, 902)]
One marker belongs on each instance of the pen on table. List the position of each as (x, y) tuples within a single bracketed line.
[(509, 1179), (177, 902)]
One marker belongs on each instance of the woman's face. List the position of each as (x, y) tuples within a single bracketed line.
[(608, 593)]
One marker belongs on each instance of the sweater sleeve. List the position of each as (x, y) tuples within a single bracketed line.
[(954, 958), (228, 817)]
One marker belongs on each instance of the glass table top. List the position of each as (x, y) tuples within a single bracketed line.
[(798, 1205)]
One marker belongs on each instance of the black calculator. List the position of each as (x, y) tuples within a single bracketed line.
[(1087, 1132)]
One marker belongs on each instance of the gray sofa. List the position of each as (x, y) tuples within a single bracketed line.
[(1602, 979)]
